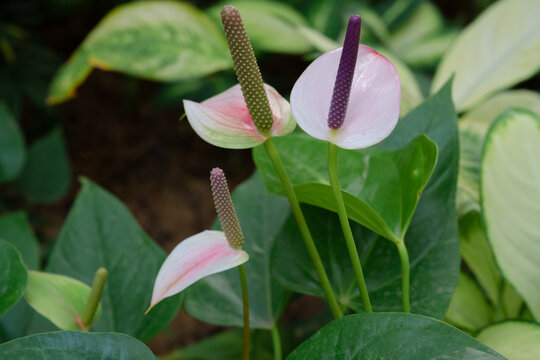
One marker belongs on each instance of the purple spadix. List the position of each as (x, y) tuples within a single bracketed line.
[(345, 74)]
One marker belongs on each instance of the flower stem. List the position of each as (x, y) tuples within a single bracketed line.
[(245, 301), (276, 343), (302, 225), (405, 273), (94, 297), (346, 226)]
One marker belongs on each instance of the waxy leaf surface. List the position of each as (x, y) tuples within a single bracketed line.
[(101, 232), (13, 275), (391, 336), (76, 345)]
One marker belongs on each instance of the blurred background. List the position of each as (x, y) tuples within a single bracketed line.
[(116, 121)]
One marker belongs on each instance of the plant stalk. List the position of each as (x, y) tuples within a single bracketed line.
[(405, 273), (272, 152), (346, 226), (276, 343), (245, 302)]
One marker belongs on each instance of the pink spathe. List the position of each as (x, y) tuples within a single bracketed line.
[(200, 255), (224, 120), (373, 108)]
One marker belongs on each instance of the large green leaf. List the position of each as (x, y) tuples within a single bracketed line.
[(473, 127), (510, 200), (59, 298), (272, 26), (12, 152), (469, 309), (431, 239), (380, 188), (46, 174), (488, 57), (101, 232), (156, 40), (514, 339), (76, 345), (217, 299), (390, 336), (13, 276), (15, 228)]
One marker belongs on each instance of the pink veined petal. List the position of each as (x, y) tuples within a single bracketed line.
[(198, 256), (224, 120), (374, 101)]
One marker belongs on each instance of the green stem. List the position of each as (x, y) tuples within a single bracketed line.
[(302, 225), (276, 343), (94, 297), (245, 302), (346, 226), (405, 273)]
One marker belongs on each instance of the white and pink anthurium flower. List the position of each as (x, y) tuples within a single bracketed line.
[(224, 120), (373, 104), (206, 253)]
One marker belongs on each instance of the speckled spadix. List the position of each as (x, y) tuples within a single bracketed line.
[(350, 116)]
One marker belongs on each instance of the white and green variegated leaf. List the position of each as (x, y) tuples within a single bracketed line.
[(473, 127), (156, 40), (510, 200), (499, 49)]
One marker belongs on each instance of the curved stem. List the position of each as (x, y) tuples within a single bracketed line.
[(245, 302), (276, 343), (94, 297), (346, 227), (272, 152), (405, 273)]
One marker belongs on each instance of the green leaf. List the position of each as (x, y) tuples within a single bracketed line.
[(473, 127), (514, 339), (101, 232), (15, 228), (217, 299), (46, 175), (59, 298), (272, 26), (510, 193), (13, 276), (380, 189), (469, 309), (156, 40), (488, 57), (431, 239), (76, 346), (477, 254), (427, 52), (12, 152), (390, 336)]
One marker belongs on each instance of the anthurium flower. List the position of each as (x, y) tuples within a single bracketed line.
[(205, 253), (355, 107), (224, 119)]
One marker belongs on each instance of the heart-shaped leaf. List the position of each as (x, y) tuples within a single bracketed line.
[(217, 299), (59, 298), (510, 200), (101, 232), (76, 345), (13, 275), (12, 152), (380, 188), (391, 336), (156, 40), (431, 239)]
